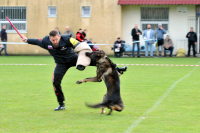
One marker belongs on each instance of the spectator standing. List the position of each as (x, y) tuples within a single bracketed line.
[(160, 32), (84, 34), (168, 45), (4, 39), (68, 32), (58, 30), (135, 35), (192, 40), (149, 34), (119, 47), (79, 36)]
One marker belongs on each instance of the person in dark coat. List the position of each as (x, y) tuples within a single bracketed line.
[(192, 41), (4, 39), (119, 47), (84, 34), (135, 35)]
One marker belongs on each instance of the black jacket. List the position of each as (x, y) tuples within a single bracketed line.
[(83, 33), (63, 54), (3, 35), (121, 42), (193, 37), (134, 34)]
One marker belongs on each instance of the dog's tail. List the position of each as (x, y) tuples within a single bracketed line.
[(99, 105)]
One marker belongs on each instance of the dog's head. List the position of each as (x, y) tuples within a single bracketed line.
[(96, 55)]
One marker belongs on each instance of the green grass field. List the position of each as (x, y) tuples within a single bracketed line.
[(157, 99)]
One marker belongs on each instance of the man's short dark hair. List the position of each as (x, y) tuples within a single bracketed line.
[(53, 33), (80, 29), (118, 38)]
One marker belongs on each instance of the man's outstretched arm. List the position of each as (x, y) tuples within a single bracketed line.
[(38, 42)]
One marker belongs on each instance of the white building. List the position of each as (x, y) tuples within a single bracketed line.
[(177, 16)]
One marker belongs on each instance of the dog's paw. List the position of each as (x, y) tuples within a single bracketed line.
[(79, 82), (103, 112)]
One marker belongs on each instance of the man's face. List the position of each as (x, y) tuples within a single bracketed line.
[(80, 31), (4, 27), (191, 29), (67, 28), (136, 26), (148, 26), (55, 40), (167, 37), (118, 40)]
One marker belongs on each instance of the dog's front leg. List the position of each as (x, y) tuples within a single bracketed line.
[(93, 79)]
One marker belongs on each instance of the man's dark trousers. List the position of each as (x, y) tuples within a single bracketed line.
[(193, 47), (58, 75), (171, 50), (4, 47), (138, 47), (120, 52)]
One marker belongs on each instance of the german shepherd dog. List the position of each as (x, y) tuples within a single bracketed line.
[(107, 71)]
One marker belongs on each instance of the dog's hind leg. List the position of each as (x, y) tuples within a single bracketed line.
[(110, 111)]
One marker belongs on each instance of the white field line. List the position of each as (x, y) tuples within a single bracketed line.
[(140, 119), (154, 65), (22, 64)]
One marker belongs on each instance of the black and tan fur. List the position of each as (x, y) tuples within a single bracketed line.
[(106, 70)]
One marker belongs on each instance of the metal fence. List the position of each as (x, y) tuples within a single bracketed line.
[(16, 14), (154, 14)]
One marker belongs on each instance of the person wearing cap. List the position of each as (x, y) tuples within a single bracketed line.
[(80, 36), (168, 45), (135, 34), (119, 47), (68, 32), (160, 32), (192, 41)]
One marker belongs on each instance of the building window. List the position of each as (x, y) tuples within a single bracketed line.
[(154, 16), (86, 11), (17, 16), (52, 11)]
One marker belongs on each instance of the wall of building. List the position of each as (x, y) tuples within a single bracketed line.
[(104, 25), (179, 24)]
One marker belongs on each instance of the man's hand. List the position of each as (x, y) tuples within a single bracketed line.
[(153, 42), (195, 42), (161, 27), (167, 46), (24, 39), (188, 35)]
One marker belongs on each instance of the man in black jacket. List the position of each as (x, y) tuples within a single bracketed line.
[(135, 34), (4, 39), (192, 40), (119, 47), (61, 48)]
